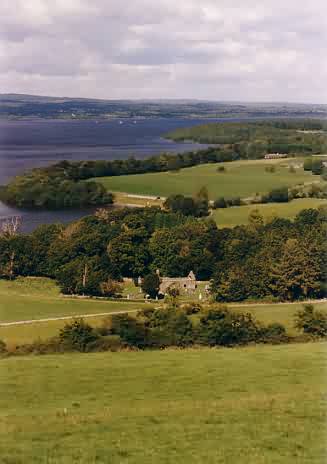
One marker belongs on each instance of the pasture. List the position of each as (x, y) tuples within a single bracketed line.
[(38, 298), (240, 178), (258, 405), (236, 215)]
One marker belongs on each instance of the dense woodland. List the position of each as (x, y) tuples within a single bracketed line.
[(63, 185), (255, 139), (278, 260)]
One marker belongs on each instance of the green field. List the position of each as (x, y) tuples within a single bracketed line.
[(241, 178), (38, 298), (230, 217), (258, 405)]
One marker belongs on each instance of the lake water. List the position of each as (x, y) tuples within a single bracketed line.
[(34, 143)]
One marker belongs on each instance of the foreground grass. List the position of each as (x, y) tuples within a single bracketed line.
[(230, 217), (258, 405), (241, 178)]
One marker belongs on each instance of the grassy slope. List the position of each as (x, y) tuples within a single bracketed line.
[(258, 405), (242, 178), (34, 298), (229, 217)]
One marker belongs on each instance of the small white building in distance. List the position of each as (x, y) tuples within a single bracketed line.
[(270, 156)]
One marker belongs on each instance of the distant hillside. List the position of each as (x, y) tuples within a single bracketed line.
[(34, 106)]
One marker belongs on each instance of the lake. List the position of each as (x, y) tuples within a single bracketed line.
[(34, 143)]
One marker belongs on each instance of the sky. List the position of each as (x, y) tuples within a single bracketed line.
[(225, 50)]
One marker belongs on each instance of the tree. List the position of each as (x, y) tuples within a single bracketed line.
[(132, 331), (151, 284), (311, 321), (296, 274), (278, 195), (220, 203), (225, 328), (77, 335)]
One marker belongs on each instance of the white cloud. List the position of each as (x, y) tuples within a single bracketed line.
[(242, 50)]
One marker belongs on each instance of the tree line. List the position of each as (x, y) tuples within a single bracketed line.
[(281, 259)]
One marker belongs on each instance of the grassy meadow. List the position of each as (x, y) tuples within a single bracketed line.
[(258, 405), (236, 215), (241, 178), (39, 298)]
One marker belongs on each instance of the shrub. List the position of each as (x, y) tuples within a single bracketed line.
[(221, 169), (111, 288), (106, 343), (3, 347), (220, 203), (131, 330), (317, 167), (77, 335), (311, 321), (274, 333), (307, 164), (226, 328), (278, 195), (235, 201), (191, 308)]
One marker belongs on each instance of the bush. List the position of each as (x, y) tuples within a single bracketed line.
[(3, 347), (129, 329), (191, 308), (274, 333), (225, 328), (311, 321), (77, 336), (307, 164), (221, 169), (317, 167), (220, 203), (278, 195), (111, 288), (106, 343), (235, 201)]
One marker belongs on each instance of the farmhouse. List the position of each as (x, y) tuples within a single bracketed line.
[(184, 284), (275, 155)]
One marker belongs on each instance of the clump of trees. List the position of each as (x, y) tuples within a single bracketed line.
[(44, 190), (197, 206)]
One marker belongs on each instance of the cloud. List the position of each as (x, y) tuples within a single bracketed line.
[(267, 50)]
